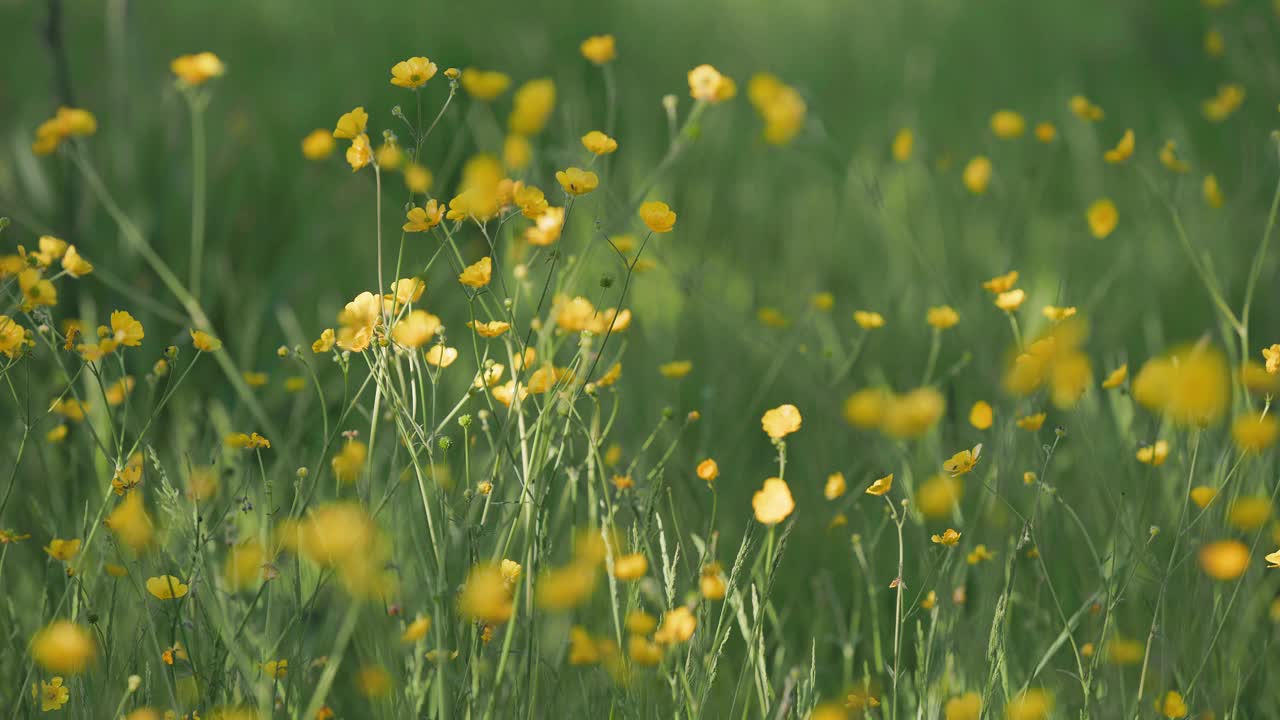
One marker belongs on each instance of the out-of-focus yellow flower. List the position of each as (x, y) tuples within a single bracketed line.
[(1082, 108), (1007, 124), (484, 85), (412, 73), (1172, 705), (317, 145), (711, 583), (1212, 192), (349, 461), (1011, 300), (599, 49), (868, 320), (1103, 217), (630, 567), (1189, 385), (130, 522), (1030, 704), (197, 69), (1224, 560), (63, 647), (1255, 432), (708, 85), (485, 596), (903, 142), (1249, 513), (1056, 313), (1046, 132), (938, 496), (866, 408), (1202, 495), (963, 707), (912, 415), (1223, 105), (1169, 158), (981, 415), (417, 178), (1123, 149), (677, 626), (204, 342), (1116, 377), (532, 106), (1001, 283), (1031, 422), (773, 502), (942, 317), (1272, 357), (67, 122), (881, 486), (63, 550), (977, 175), (1154, 454), (708, 470)]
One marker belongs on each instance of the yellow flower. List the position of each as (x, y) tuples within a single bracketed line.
[(1224, 560), (677, 626), (53, 694), (597, 143), (359, 153), (1046, 132), (1031, 422), (63, 647), (1270, 354), (324, 343), (708, 470), (412, 73), (63, 550), (979, 554), (1056, 313), (706, 84), (981, 415), (1085, 110), (351, 125), (630, 567), (1222, 105), (75, 264), (1001, 283), (1172, 706), (1007, 124), (485, 596), (781, 421), (773, 502), (130, 522), (963, 462), (1202, 495), (197, 69), (1122, 151), (1273, 560), (417, 178), (675, 369), (1249, 513), (1103, 217), (1189, 385), (599, 49), (484, 85), (903, 142), (1012, 300), (477, 274), (490, 329), (1030, 704), (1255, 432), (275, 669), (36, 290), (317, 145), (532, 106), (204, 342), (12, 337), (1214, 45), (835, 486), (358, 320), (881, 486), (1117, 377), (929, 600), (415, 329), (373, 681), (711, 583), (938, 496), (441, 356), (942, 317), (657, 216), (948, 538), (1169, 158), (66, 122), (416, 630), (977, 175), (566, 587), (868, 320), (166, 587), (1212, 192), (1154, 454), (913, 414), (577, 181), (348, 462)]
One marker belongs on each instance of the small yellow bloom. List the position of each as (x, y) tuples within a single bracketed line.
[(417, 178), (1169, 158), (53, 694), (1117, 377), (963, 462), (63, 550), (773, 502), (942, 317), (948, 538), (1058, 314), (317, 145), (981, 415), (712, 583), (902, 145), (1212, 192), (531, 107), (781, 421), (677, 626), (412, 73), (597, 143), (657, 216), (1224, 560), (166, 587), (835, 486), (1172, 705), (360, 153), (204, 342), (1202, 495), (868, 320), (1007, 124), (675, 369), (276, 669), (1273, 559), (484, 85), (441, 356), (708, 470), (1046, 132), (197, 69), (707, 84), (478, 274), (977, 175), (1103, 217), (63, 647), (979, 554), (599, 49), (1272, 357), (1154, 454), (1085, 110), (1012, 300), (881, 486), (351, 124), (1001, 283), (1122, 151), (1031, 422), (577, 181), (490, 329)]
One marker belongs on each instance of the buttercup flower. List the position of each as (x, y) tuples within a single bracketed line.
[(477, 274), (577, 181), (1103, 218), (166, 587), (599, 49), (317, 145), (197, 69), (412, 73), (351, 124), (1122, 151), (781, 421), (657, 216), (977, 175), (773, 502), (881, 486), (597, 143)]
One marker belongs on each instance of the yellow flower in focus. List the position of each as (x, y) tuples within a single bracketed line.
[(597, 143), (412, 73), (948, 538), (868, 320), (1272, 357), (360, 153), (773, 502), (422, 219), (63, 647), (981, 415), (351, 125), (1212, 192), (599, 49), (903, 143), (53, 694), (317, 145), (484, 85), (708, 470), (166, 587), (1007, 124), (204, 342), (657, 216), (1102, 217), (1224, 560), (1122, 151), (781, 421), (577, 181), (942, 317), (197, 69), (477, 274), (881, 486), (963, 462), (325, 342), (677, 626), (977, 175)]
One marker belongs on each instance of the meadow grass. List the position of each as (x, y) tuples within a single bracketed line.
[(595, 385)]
